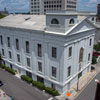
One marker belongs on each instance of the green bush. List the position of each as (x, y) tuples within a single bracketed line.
[(7, 69), (26, 78), (51, 91), (10, 70), (94, 61), (2, 16), (2, 66), (38, 85), (97, 47)]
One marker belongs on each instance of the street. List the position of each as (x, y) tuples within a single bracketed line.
[(89, 92), (19, 89)]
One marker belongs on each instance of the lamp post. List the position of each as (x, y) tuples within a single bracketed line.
[(77, 89), (97, 94)]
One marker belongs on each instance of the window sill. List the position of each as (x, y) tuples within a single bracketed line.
[(17, 50), (69, 57), (40, 72), (28, 67), (18, 63), (53, 78), (28, 54), (68, 77), (39, 57)]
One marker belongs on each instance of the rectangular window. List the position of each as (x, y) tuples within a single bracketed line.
[(69, 71), (54, 52), (27, 47), (17, 44), (18, 58), (10, 55), (70, 51), (28, 62), (54, 72), (1, 40), (11, 66), (89, 57), (53, 86), (3, 53), (39, 50), (29, 74), (8, 40), (40, 66), (90, 42)]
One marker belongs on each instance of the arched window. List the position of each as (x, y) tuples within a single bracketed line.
[(71, 21), (81, 55), (92, 18), (54, 21)]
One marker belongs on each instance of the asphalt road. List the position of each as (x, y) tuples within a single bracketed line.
[(19, 89), (89, 92)]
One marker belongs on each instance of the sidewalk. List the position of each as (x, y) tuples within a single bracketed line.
[(84, 81), (2, 97)]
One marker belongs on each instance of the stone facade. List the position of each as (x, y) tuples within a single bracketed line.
[(61, 51)]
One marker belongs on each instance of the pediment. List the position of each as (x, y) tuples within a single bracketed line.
[(81, 27)]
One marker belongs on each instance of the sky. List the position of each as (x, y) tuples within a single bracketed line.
[(23, 5)]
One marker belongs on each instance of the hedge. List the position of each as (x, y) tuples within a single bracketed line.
[(10, 70), (26, 78), (38, 85), (7, 69), (51, 91), (94, 61), (2, 66)]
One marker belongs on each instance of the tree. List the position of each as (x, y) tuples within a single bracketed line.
[(94, 60), (97, 47)]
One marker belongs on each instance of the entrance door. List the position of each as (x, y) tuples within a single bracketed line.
[(40, 79)]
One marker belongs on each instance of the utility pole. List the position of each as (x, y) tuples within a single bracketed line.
[(97, 95), (77, 89)]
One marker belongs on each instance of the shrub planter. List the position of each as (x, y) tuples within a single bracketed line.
[(26, 78), (38, 85), (10, 70), (2, 66), (7, 69), (51, 91)]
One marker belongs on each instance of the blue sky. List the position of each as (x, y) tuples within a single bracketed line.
[(23, 5)]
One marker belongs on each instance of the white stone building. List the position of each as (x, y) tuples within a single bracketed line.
[(52, 49), (42, 6)]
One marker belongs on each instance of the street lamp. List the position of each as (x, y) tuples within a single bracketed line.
[(78, 77), (97, 94)]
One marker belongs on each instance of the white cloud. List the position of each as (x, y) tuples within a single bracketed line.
[(14, 5)]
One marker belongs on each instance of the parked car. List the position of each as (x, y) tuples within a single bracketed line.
[(96, 54), (1, 83)]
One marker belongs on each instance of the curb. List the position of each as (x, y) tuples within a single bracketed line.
[(85, 85)]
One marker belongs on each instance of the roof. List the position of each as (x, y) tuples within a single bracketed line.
[(86, 13), (34, 22), (61, 12)]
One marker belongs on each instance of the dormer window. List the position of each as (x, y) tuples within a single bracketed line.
[(54, 21), (71, 21)]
